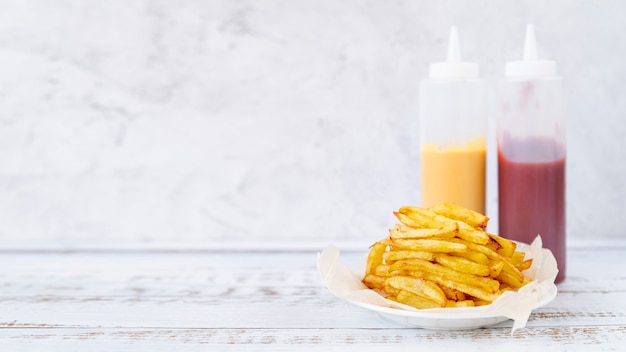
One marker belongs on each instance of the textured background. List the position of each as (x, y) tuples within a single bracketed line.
[(194, 121)]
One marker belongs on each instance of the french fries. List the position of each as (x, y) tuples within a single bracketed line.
[(442, 257)]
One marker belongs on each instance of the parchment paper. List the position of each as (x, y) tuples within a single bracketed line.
[(516, 305)]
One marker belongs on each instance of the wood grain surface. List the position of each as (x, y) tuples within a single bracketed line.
[(210, 299)]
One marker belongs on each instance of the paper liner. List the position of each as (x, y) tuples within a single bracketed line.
[(515, 305)]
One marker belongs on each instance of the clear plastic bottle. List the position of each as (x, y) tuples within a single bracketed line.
[(453, 116), (531, 153)]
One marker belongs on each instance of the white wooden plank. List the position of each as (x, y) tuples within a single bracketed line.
[(583, 338), (297, 312)]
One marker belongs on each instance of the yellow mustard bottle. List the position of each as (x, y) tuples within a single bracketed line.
[(453, 127)]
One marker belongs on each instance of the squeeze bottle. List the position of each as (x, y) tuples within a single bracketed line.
[(453, 117), (531, 153)]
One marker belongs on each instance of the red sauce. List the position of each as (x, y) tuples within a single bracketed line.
[(532, 196)]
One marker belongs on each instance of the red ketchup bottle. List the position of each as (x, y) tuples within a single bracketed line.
[(531, 153)]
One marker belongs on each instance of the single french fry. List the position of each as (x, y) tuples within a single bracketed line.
[(418, 286), (463, 214), (406, 264), (429, 245), (480, 302), (453, 294), (403, 231), (517, 258), (375, 256), (510, 279), (496, 268), (390, 291), (415, 301), (382, 270), (474, 256), (525, 265), (506, 247), (462, 264), (460, 304), (373, 281), (416, 220), (395, 255), (493, 245)]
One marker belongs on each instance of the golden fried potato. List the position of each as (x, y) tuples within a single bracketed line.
[(429, 245), (375, 257), (416, 220), (453, 294), (395, 255), (415, 301), (456, 212), (506, 248), (420, 287), (462, 264), (403, 231)]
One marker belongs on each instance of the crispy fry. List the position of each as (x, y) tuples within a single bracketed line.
[(474, 256), (375, 256), (415, 301), (496, 269), (463, 214), (493, 245), (462, 265), (382, 270), (479, 302), (453, 294), (472, 235), (373, 281), (510, 280), (429, 245), (403, 265), (423, 216), (395, 255), (525, 265), (420, 287), (385, 271), (403, 231), (506, 247), (517, 258), (416, 220), (460, 304)]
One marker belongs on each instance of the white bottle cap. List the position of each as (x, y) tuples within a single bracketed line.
[(531, 66), (453, 67)]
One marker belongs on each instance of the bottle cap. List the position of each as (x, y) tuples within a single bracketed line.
[(530, 66), (453, 67)]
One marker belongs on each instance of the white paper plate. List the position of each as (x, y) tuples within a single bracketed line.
[(451, 319)]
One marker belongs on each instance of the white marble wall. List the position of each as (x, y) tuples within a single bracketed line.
[(201, 120)]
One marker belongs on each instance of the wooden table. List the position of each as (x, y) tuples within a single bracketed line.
[(266, 298)]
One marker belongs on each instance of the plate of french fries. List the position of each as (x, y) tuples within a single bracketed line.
[(440, 269)]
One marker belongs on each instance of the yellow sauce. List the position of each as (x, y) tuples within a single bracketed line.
[(454, 175)]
